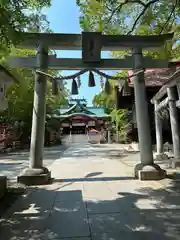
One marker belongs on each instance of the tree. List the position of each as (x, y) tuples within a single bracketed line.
[(126, 16), (143, 17), (20, 95), (17, 16), (108, 102), (24, 15), (104, 101), (118, 117)]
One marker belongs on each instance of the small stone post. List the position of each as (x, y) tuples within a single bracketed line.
[(146, 170), (109, 135), (178, 89), (159, 136), (117, 132), (174, 126), (36, 173), (70, 134)]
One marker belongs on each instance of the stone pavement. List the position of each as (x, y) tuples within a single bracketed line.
[(94, 197), (13, 163)]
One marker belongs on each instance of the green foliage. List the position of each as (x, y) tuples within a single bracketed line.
[(18, 16), (122, 15), (145, 17), (20, 95), (104, 101), (118, 117), (27, 16)]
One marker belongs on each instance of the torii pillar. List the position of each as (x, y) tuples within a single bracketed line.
[(175, 127), (147, 169), (160, 155), (36, 174)]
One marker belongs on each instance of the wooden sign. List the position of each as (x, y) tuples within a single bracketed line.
[(91, 47)]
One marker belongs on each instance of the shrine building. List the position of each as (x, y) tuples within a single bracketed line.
[(78, 118), (154, 80)]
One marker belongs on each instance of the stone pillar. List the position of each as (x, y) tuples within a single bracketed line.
[(86, 128), (70, 134), (178, 89), (174, 126), (146, 170), (36, 173), (117, 132), (159, 136), (109, 135)]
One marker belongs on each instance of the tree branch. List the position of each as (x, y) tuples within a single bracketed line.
[(119, 7), (146, 6), (108, 8), (169, 18), (138, 1)]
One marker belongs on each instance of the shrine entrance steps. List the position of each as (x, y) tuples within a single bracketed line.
[(75, 139), (78, 138)]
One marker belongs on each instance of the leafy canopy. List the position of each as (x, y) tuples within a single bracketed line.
[(20, 95), (142, 17), (16, 16), (108, 103), (126, 17)]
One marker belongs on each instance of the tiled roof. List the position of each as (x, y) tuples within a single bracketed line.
[(91, 111), (79, 114), (153, 77), (97, 111)]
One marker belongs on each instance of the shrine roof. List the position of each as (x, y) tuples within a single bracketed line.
[(155, 77), (78, 109), (97, 111), (77, 114)]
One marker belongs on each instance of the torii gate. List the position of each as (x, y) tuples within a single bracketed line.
[(91, 44)]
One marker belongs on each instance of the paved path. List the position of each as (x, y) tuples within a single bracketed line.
[(12, 164), (93, 197)]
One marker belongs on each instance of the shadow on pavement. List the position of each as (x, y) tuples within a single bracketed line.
[(9, 164), (54, 215), (93, 174), (86, 179)]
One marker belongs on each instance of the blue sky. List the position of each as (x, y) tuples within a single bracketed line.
[(64, 18)]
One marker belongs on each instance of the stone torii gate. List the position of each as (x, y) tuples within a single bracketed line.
[(171, 101), (91, 44)]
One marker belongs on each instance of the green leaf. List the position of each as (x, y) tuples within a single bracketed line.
[(18, 16), (120, 17)]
